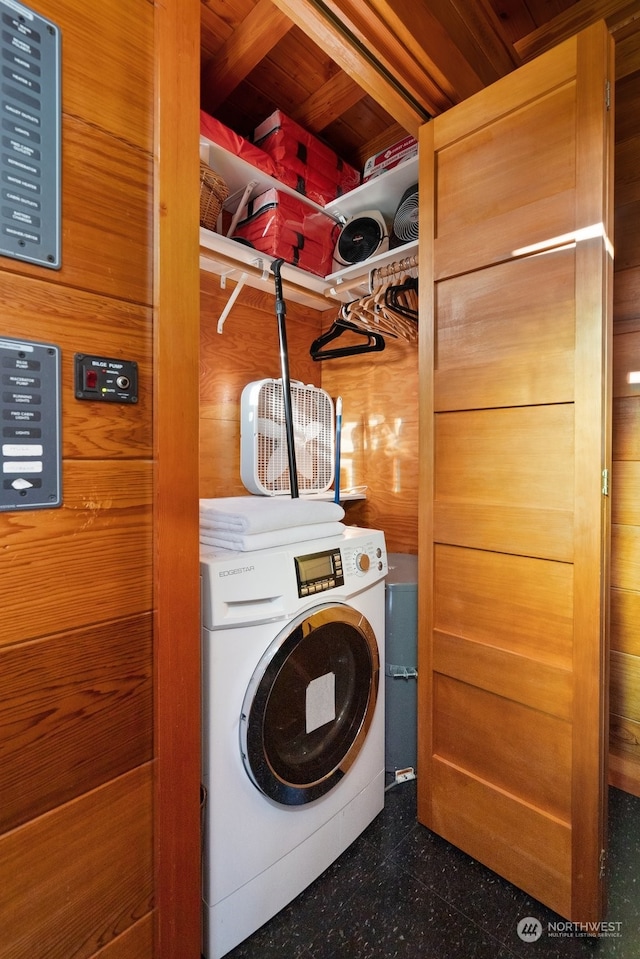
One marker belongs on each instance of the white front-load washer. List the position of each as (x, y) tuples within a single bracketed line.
[(293, 720)]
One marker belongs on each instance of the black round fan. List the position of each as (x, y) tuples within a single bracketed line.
[(405, 221), (361, 237)]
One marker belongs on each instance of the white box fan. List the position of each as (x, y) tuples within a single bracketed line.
[(264, 462)]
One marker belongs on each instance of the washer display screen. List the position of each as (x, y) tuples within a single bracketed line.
[(319, 571)]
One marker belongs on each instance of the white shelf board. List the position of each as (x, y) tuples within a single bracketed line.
[(237, 173), (382, 193), (226, 257)]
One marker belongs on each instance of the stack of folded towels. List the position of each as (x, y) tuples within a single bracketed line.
[(256, 522)]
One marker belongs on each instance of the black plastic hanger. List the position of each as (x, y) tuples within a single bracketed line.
[(375, 342)]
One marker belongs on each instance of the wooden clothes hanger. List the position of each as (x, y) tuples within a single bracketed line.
[(389, 309)]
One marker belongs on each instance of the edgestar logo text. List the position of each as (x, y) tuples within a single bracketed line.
[(235, 572)]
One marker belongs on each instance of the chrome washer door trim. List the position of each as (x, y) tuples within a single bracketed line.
[(292, 764)]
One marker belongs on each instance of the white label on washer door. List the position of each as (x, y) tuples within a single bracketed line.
[(320, 702)]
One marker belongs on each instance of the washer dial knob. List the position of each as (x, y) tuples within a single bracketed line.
[(362, 562)]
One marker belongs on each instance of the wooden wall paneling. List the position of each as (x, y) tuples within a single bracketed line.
[(175, 244), (626, 234), (625, 563), (625, 714), (627, 174), (626, 503), (61, 696), (625, 570), (81, 322), (246, 350), (134, 943), (626, 434), (88, 561), (106, 212), (627, 107), (627, 50), (626, 300), (80, 876), (625, 612), (380, 436), (109, 83), (626, 701), (76, 733)]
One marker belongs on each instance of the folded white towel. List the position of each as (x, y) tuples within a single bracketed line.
[(275, 537), (259, 514)]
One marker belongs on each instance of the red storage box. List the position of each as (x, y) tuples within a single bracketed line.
[(301, 157), (218, 133), (281, 226)]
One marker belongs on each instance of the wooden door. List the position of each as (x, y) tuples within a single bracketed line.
[(515, 236)]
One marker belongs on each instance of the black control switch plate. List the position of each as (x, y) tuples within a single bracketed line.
[(105, 379)]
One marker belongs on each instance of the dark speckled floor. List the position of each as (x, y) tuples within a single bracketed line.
[(400, 892)]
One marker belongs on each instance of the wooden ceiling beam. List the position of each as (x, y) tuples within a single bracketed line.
[(395, 30), (460, 45), (329, 102), (574, 19), (401, 100), (254, 38), (491, 48), (395, 42)]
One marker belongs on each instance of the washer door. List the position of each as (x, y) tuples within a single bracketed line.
[(309, 705)]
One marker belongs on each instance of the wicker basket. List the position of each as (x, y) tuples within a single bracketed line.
[(213, 193)]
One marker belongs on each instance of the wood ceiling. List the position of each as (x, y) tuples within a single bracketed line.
[(312, 59)]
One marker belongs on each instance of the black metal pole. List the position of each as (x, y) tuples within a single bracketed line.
[(286, 382)]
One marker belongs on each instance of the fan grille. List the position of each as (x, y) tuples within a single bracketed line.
[(405, 222), (313, 434), (360, 239)]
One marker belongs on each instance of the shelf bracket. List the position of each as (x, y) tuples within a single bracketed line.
[(232, 299), (242, 279)]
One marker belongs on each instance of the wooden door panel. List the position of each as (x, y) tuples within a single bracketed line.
[(540, 224), (502, 383), (492, 738), (516, 603), (478, 325), (515, 390), (507, 95), (538, 684), (531, 850), (479, 180), (516, 456), (526, 531)]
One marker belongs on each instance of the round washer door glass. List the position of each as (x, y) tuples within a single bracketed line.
[(310, 703)]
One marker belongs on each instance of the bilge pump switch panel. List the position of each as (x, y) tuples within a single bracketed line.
[(31, 425), (106, 380)]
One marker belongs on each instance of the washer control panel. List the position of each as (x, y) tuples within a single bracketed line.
[(317, 572), (363, 559)]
